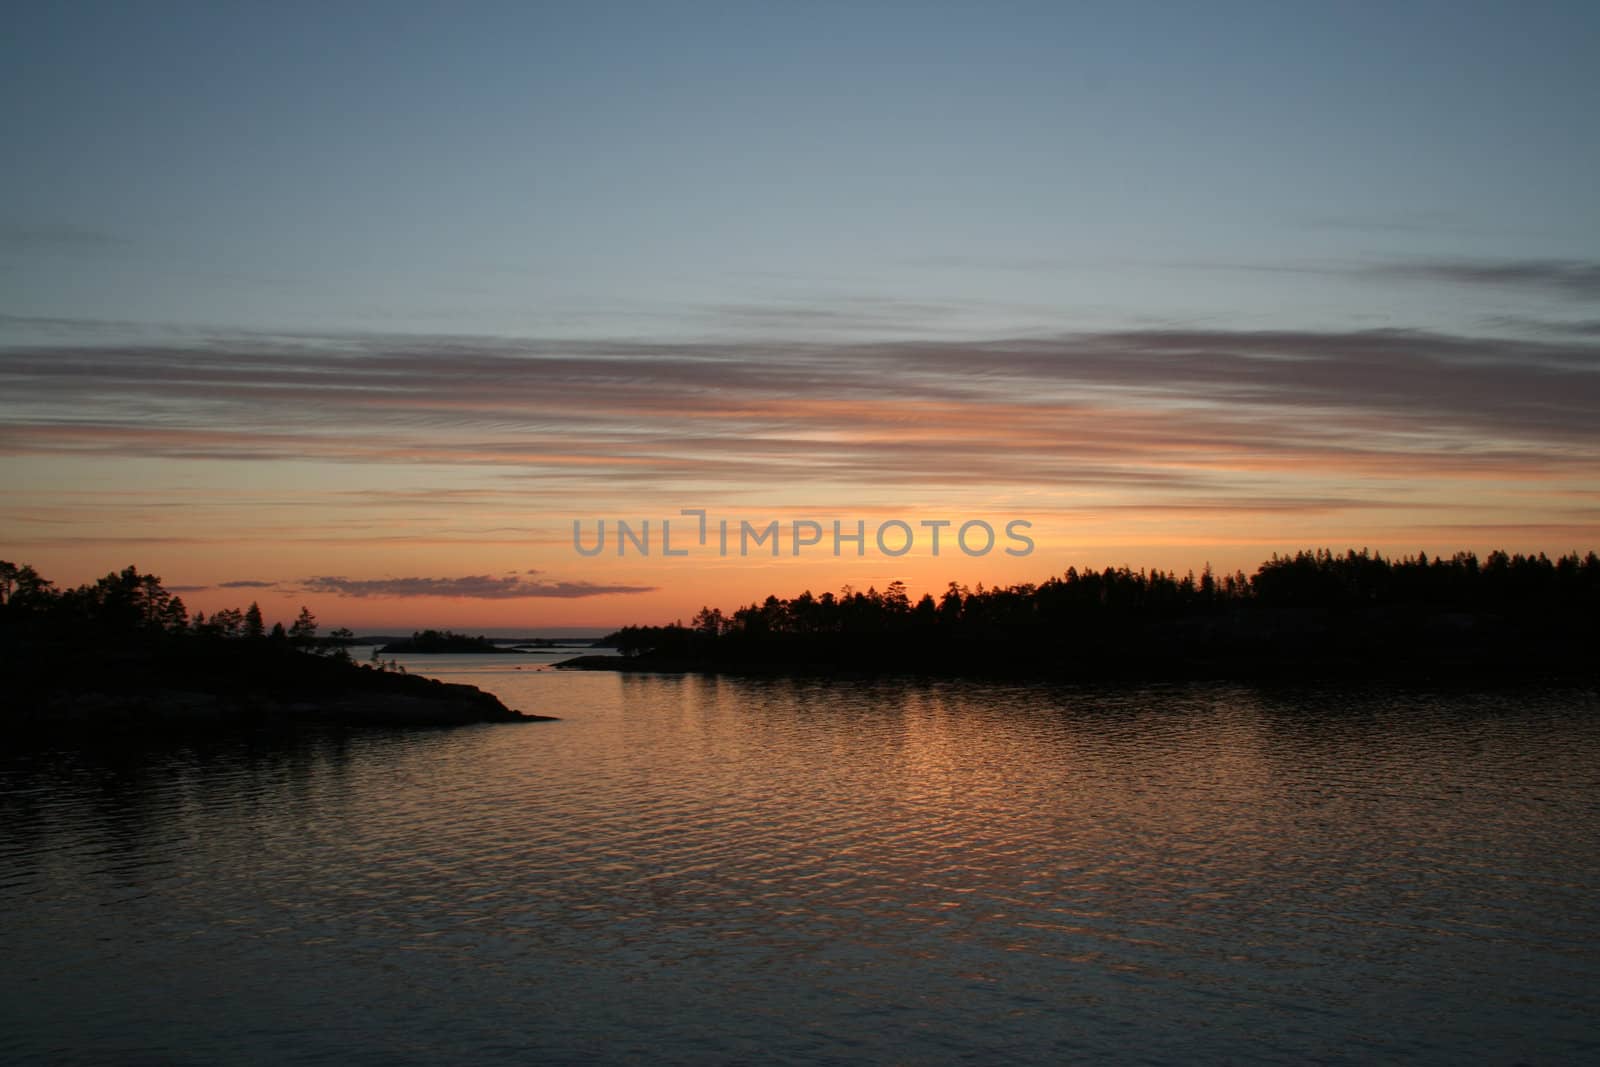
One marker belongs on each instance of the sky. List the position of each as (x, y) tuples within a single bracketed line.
[(362, 306)]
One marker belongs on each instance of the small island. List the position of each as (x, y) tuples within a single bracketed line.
[(122, 655), (430, 642)]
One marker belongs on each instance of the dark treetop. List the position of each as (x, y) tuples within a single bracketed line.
[(431, 641), (1310, 614), (123, 653)]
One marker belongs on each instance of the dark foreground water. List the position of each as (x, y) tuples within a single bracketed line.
[(694, 870)]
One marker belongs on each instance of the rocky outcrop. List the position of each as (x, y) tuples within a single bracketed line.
[(217, 687)]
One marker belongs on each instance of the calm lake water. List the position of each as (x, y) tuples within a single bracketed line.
[(698, 870)]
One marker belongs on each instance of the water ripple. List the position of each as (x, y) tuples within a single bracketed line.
[(704, 870)]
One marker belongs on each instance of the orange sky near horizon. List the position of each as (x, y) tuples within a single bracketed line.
[(397, 490)]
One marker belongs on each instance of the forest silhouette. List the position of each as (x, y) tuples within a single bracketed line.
[(1314, 612), (123, 651)]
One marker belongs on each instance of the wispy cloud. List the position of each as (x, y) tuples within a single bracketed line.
[(1569, 277), (246, 583), (846, 315), (1412, 222), (46, 237), (1574, 278), (1148, 409), (473, 587), (1559, 327)]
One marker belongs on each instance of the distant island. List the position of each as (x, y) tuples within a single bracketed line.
[(436, 641), (1317, 614), (122, 654), (427, 642)]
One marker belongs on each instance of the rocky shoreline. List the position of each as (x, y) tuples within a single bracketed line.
[(440, 704), (227, 688)]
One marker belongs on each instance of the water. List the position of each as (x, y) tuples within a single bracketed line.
[(703, 870)]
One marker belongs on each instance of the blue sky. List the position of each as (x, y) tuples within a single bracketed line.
[(701, 169)]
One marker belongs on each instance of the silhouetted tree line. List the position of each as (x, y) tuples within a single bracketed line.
[(122, 654), (127, 606), (441, 641), (1316, 608)]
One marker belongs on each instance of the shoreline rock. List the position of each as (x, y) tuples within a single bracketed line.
[(226, 686)]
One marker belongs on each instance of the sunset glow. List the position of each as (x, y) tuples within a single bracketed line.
[(372, 347)]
